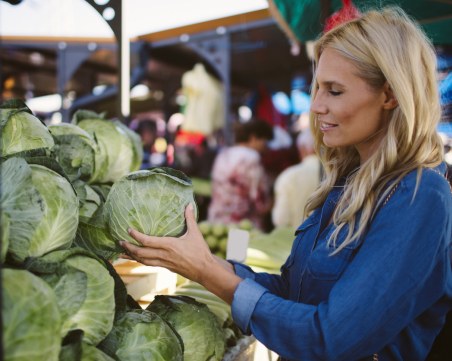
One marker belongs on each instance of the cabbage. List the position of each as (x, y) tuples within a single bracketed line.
[(75, 150), (198, 327), (42, 207), (21, 131), (150, 201), (116, 151), (31, 320), (140, 335), (84, 289)]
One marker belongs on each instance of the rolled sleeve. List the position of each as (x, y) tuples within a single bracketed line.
[(245, 299), (243, 271)]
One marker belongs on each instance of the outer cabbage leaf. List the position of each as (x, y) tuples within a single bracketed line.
[(199, 328), (140, 335), (150, 201), (93, 234), (31, 319), (116, 149), (4, 235), (42, 208), (84, 289), (75, 150), (83, 352), (21, 131), (90, 200)]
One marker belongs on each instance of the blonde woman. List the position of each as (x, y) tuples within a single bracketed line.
[(369, 275)]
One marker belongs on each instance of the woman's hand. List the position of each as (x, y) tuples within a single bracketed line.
[(188, 255)]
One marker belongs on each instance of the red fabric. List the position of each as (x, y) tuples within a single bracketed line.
[(346, 13), (184, 137)]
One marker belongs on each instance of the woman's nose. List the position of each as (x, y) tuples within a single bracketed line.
[(317, 105)]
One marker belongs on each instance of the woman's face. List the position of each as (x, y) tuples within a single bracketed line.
[(348, 111)]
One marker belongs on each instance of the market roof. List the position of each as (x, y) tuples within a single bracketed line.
[(77, 18)]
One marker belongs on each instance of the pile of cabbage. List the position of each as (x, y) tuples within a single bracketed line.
[(68, 194)]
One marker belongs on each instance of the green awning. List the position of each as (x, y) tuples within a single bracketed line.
[(305, 17)]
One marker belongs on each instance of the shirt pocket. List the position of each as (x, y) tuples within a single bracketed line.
[(300, 235), (323, 265)]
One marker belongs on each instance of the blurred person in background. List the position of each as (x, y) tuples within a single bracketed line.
[(296, 184), (240, 187), (147, 129)]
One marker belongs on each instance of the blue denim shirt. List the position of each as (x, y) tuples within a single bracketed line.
[(387, 294)]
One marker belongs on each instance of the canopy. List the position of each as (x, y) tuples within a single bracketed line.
[(303, 19), (77, 18)]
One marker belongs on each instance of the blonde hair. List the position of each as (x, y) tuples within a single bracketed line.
[(387, 47)]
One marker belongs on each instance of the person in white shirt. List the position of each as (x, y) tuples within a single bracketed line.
[(295, 184)]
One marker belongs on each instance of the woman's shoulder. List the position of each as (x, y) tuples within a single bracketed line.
[(427, 184), (428, 178)]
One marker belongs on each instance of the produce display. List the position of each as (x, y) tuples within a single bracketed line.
[(216, 234), (267, 252), (63, 211)]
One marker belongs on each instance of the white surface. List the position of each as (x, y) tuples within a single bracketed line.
[(238, 240), (76, 18)]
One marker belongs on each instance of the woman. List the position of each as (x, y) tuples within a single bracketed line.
[(369, 275)]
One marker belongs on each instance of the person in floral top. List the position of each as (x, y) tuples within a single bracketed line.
[(240, 187)]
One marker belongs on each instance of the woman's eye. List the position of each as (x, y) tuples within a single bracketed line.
[(335, 93)]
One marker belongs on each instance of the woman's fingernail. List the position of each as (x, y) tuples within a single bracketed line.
[(121, 243), (129, 230), (190, 207)]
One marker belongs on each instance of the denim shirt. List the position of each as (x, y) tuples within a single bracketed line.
[(388, 293)]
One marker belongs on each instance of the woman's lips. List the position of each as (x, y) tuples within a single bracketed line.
[(324, 126)]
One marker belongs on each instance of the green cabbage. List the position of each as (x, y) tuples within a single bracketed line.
[(199, 328), (116, 150), (31, 320), (150, 201), (75, 150), (140, 335), (84, 289), (21, 131), (42, 207)]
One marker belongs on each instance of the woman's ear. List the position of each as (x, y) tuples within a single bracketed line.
[(390, 101)]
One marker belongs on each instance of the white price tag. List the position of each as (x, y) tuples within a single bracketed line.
[(237, 244)]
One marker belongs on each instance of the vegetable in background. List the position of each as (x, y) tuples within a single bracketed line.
[(198, 327), (141, 335), (21, 131), (150, 201), (31, 319), (84, 290), (42, 208)]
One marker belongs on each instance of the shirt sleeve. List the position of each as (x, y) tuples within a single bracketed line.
[(402, 269)]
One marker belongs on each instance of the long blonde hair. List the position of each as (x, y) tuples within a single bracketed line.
[(387, 47)]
